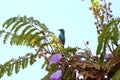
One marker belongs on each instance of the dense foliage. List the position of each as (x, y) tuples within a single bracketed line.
[(66, 63)]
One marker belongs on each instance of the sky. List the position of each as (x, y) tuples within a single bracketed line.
[(72, 15)]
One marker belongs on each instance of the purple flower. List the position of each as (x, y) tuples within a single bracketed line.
[(55, 58), (108, 56), (56, 75)]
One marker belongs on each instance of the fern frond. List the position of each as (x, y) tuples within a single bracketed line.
[(17, 64), (25, 31)]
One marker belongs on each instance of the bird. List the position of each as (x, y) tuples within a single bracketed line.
[(62, 36)]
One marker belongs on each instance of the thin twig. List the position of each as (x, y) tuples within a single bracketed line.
[(110, 49)]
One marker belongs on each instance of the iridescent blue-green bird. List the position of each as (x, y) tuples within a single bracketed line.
[(62, 36)]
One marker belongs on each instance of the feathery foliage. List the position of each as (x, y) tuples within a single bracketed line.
[(71, 63), (110, 34), (25, 31), (16, 64)]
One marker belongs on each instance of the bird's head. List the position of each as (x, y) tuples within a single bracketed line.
[(62, 30)]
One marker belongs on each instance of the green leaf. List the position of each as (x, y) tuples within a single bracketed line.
[(26, 62), (25, 18), (101, 58), (38, 40), (20, 40), (6, 37), (1, 71), (68, 49), (43, 65), (30, 32), (14, 39), (31, 19), (68, 74), (16, 23), (103, 38), (115, 35), (37, 22), (25, 29), (116, 76), (99, 47), (100, 43), (43, 26), (6, 22), (116, 51), (107, 38), (19, 26), (33, 36), (23, 63), (17, 67), (32, 60), (9, 22), (10, 69)]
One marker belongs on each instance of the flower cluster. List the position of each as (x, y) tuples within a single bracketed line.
[(56, 59)]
